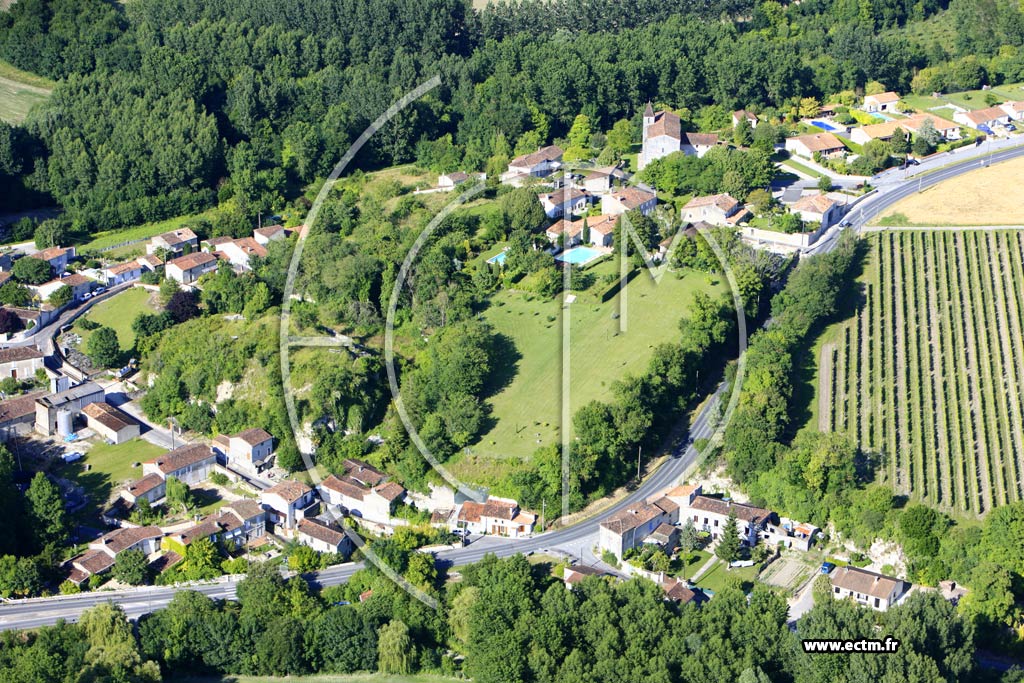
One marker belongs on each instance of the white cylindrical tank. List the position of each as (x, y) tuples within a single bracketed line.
[(65, 422)]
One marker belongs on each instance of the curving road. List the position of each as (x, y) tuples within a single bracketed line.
[(892, 187)]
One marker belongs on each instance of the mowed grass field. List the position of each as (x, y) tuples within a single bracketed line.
[(19, 92), (981, 197), (109, 466), (119, 312), (928, 370), (526, 412), (109, 238)]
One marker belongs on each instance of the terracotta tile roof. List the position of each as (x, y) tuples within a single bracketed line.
[(915, 122), (176, 237), (682, 491), (678, 591), (122, 268), (143, 486), (746, 513), (270, 230), (390, 491), (122, 539), (344, 486), (206, 528), (191, 261), (441, 516), (665, 123), (13, 408), (457, 177), (327, 533), (94, 561), (74, 280), (471, 511), (550, 153), (500, 509), (217, 241), (245, 509), (573, 575), (152, 260), (882, 131), (289, 489), (602, 225), (667, 504), (816, 203), (632, 517), (108, 416), (982, 116), (568, 227), (253, 437), (820, 142), (250, 247), (740, 114), (363, 472), (864, 582), (51, 253), (723, 201), (700, 139), (19, 353), (883, 97), (1014, 106), (182, 457), (563, 195), (77, 576), (165, 561), (633, 197)]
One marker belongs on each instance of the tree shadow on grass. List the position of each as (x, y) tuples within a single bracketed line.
[(504, 365)]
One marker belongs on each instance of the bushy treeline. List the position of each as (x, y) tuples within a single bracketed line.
[(510, 620), (176, 100)]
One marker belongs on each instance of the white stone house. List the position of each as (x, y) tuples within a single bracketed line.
[(249, 449), (190, 464), (882, 102), (496, 516), (876, 591), (286, 502), (189, 268), (716, 209), (622, 200), (20, 362), (175, 241)]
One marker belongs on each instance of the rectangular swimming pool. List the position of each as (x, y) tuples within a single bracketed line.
[(579, 255), (823, 125), (498, 258)]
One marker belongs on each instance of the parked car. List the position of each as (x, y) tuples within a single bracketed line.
[(100, 290), (72, 457), (827, 567), (461, 533)]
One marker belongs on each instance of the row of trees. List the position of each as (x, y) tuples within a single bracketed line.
[(512, 622), (163, 103)]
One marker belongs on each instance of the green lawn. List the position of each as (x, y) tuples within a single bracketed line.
[(694, 561), (110, 466), (352, 678), (526, 411), (109, 238), (119, 312), (19, 92), (806, 170), (718, 577)]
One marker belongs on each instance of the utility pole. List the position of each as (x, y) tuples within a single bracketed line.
[(639, 450), (259, 219), (543, 517)]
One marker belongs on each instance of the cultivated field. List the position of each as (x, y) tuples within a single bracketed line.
[(526, 412), (19, 92), (930, 371), (981, 197)]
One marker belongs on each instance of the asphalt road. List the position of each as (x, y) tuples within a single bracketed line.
[(892, 187)]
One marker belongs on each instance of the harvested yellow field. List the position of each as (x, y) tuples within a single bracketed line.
[(982, 197)]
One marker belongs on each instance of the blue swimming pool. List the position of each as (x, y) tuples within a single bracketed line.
[(823, 125), (884, 117), (579, 255), (498, 258)]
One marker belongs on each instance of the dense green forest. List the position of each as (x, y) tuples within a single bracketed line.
[(506, 620), (168, 106)]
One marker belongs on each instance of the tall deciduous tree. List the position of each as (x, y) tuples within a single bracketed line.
[(395, 650), (46, 510)]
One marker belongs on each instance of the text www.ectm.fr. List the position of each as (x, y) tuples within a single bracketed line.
[(825, 645)]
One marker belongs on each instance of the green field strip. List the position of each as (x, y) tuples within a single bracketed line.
[(966, 392), (912, 323), (892, 406), (947, 376), (1012, 426), (864, 374), (995, 417), (925, 366), (906, 474), (936, 414), (974, 373), (1012, 275), (840, 393), (878, 354)]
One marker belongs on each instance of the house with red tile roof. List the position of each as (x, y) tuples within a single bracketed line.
[(286, 503), (250, 449), (496, 516), (189, 268), (190, 464), (663, 134)]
